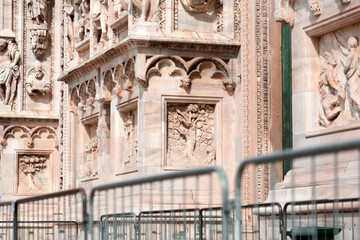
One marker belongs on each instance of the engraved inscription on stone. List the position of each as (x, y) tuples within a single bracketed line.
[(33, 173), (190, 134)]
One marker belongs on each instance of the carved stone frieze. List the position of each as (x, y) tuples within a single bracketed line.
[(33, 174), (9, 71), (339, 80), (37, 82), (190, 134)]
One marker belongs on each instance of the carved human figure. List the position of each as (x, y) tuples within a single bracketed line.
[(285, 13), (332, 94), (119, 7), (200, 5), (148, 9), (84, 21), (129, 126), (91, 164), (9, 71), (100, 20), (38, 11), (36, 83), (39, 42), (69, 11), (352, 73)]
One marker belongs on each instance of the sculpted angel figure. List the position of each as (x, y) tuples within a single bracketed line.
[(352, 73), (9, 71), (331, 92), (38, 10)]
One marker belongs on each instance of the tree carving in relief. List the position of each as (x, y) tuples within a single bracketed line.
[(31, 166), (339, 83), (9, 71), (190, 134)]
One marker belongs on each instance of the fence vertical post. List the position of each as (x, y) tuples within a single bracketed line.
[(15, 224)]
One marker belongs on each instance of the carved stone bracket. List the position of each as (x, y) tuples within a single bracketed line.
[(285, 13), (39, 41)]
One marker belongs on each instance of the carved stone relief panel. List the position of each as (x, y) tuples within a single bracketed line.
[(33, 173), (89, 166), (190, 134), (339, 80)]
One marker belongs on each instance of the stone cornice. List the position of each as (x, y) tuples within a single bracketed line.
[(133, 42)]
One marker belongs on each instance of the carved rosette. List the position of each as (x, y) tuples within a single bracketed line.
[(190, 134)]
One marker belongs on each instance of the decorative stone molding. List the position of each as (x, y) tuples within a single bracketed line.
[(9, 73), (31, 170), (37, 82), (125, 46), (190, 134)]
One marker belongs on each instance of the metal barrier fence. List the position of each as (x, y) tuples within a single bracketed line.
[(152, 197), (7, 220), (329, 172), (60, 215)]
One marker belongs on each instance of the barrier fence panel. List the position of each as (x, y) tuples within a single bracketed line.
[(7, 220), (162, 202), (330, 172), (60, 215), (211, 223), (171, 224), (119, 226)]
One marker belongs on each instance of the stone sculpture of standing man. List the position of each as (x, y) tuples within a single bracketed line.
[(38, 11), (9, 71), (352, 73)]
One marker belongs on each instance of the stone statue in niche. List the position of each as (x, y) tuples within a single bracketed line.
[(352, 73), (200, 6), (9, 71), (38, 11), (100, 20), (148, 9), (190, 134), (90, 167), (31, 173), (69, 20), (36, 83), (84, 21), (330, 91), (119, 7), (39, 42), (130, 149)]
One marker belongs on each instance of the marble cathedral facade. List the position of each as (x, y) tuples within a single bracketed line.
[(96, 91)]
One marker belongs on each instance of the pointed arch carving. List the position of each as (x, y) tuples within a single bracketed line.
[(82, 97), (91, 93), (105, 95), (119, 79), (129, 73), (74, 101)]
